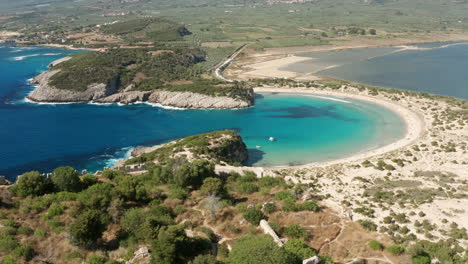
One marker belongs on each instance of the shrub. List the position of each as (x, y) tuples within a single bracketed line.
[(89, 180), (40, 233), (25, 230), (270, 182), (396, 249), (375, 245), (284, 196), (87, 228), (369, 225), (66, 179), (253, 216), (296, 231), (24, 252), (31, 183), (96, 259), (299, 249), (130, 188), (97, 196), (258, 249), (421, 259), (204, 259), (246, 187), (309, 206), (269, 207), (176, 192), (7, 243), (212, 186), (9, 260), (112, 174), (54, 210)]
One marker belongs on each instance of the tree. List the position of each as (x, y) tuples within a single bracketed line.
[(167, 247), (299, 249), (372, 31), (66, 179), (212, 186), (87, 228), (258, 249), (31, 183)]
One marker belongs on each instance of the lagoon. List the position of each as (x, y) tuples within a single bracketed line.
[(437, 68), (86, 136)]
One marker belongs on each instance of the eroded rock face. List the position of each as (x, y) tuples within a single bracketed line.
[(46, 93), (102, 93), (194, 100)]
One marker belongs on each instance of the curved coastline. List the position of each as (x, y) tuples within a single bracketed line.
[(415, 125)]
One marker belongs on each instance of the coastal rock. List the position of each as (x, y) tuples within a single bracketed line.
[(195, 100), (46, 93), (125, 97), (102, 93)]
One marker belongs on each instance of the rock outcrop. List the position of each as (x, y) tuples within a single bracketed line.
[(220, 147), (110, 93), (46, 93)]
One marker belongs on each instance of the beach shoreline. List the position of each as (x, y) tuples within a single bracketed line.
[(415, 125)]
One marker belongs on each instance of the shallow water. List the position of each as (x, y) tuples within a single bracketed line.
[(87, 136), (441, 69)]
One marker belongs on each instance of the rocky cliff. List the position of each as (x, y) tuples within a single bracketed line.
[(110, 93)]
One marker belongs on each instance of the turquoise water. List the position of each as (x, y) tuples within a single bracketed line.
[(441, 69), (44, 136)]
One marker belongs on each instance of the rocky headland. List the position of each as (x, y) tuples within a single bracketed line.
[(112, 93)]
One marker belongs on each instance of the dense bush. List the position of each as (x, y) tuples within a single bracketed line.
[(253, 216), (130, 188), (369, 225), (212, 186), (258, 249), (375, 245), (295, 231), (31, 183), (98, 196), (299, 249), (173, 246), (204, 259), (66, 179), (87, 228), (269, 207), (396, 249), (143, 225)]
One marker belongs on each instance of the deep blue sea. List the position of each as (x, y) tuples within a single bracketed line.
[(86, 136), (437, 68)]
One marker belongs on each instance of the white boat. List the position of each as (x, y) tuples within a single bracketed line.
[(258, 147), (272, 139)]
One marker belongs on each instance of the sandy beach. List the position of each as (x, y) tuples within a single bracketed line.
[(427, 167)]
